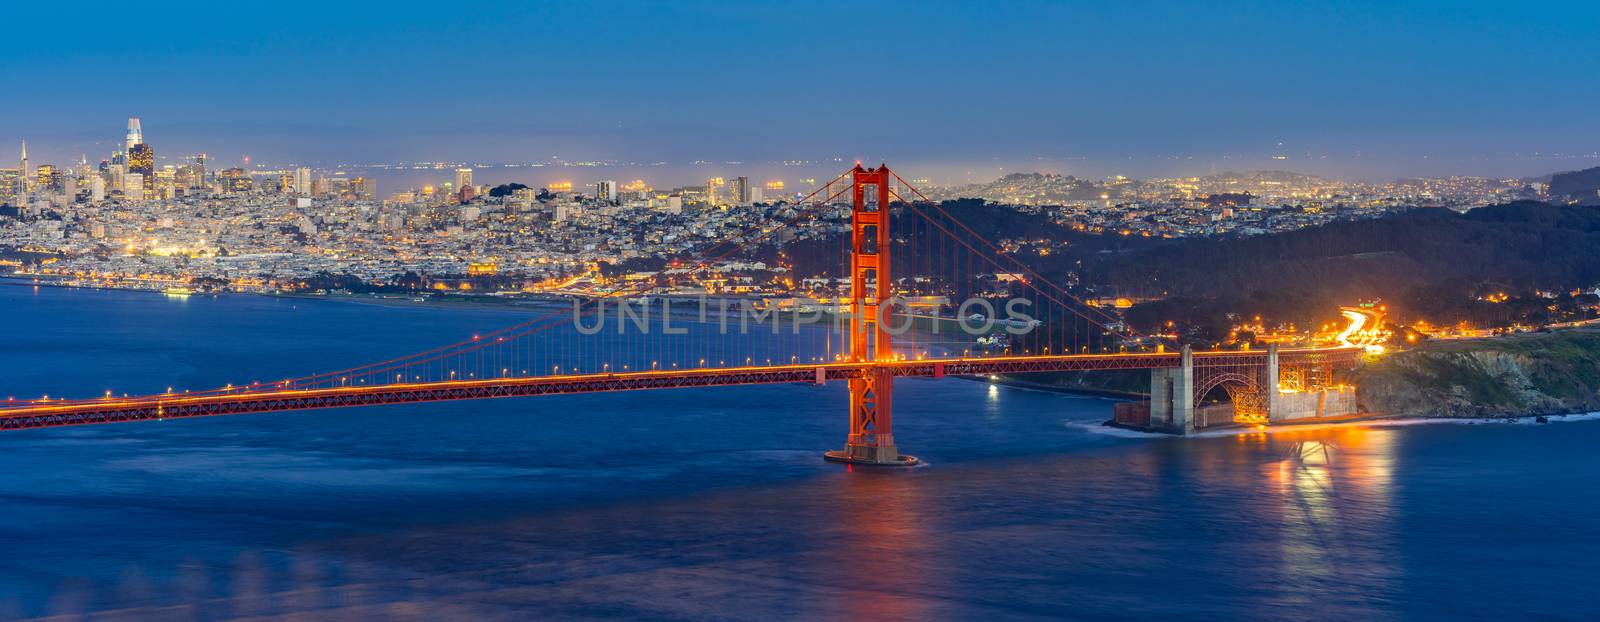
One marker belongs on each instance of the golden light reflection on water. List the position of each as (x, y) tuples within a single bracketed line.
[(883, 549), (1313, 510), (1320, 479)]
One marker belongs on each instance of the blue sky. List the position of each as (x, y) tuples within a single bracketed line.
[(1375, 89)]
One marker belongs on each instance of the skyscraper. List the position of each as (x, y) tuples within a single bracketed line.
[(133, 185), (45, 177), (463, 178), (741, 190), (21, 186), (606, 191), (235, 180), (135, 135), (198, 179), (713, 191), (302, 181), (142, 160)]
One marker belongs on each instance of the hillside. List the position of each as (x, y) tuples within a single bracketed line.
[(1527, 243), (1582, 186), (1427, 263), (1525, 374)]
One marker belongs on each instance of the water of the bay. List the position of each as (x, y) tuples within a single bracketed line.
[(715, 504)]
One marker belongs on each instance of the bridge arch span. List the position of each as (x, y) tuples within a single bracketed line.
[(1244, 390)]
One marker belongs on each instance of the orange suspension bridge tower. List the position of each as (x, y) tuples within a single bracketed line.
[(871, 437)]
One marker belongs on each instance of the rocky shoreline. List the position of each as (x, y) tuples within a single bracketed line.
[(1533, 374)]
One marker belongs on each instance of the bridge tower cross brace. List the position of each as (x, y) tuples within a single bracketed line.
[(871, 436)]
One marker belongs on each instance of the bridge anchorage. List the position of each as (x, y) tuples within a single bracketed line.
[(870, 440), (1263, 387)]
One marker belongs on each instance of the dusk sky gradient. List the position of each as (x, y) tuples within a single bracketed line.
[(1372, 89)]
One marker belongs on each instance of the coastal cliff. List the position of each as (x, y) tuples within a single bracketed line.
[(1545, 373)]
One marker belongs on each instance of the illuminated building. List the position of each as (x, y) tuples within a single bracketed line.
[(197, 178), (135, 135), (166, 182), (713, 191), (45, 177), (741, 190), (186, 177), (133, 186), (10, 184), (606, 191), (302, 181), (364, 188), (463, 178), (482, 269), (142, 160), (236, 180), (24, 172)]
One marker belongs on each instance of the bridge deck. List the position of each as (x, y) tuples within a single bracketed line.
[(177, 405)]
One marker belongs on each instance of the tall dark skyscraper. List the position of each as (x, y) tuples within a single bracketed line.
[(142, 160)]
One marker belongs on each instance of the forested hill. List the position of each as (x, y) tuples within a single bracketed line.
[(1581, 187), (1518, 246)]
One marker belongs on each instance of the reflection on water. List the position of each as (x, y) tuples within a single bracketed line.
[(682, 505), (1335, 492), (1254, 527)]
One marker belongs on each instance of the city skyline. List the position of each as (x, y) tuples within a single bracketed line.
[(1031, 309), (558, 172), (1364, 92)]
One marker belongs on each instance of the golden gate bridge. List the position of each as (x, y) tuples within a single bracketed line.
[(867, 230)]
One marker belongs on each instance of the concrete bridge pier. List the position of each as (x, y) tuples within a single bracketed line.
[(1269, 384), (1172, 396)]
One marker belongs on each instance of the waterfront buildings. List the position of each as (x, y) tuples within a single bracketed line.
[(129, 221)]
